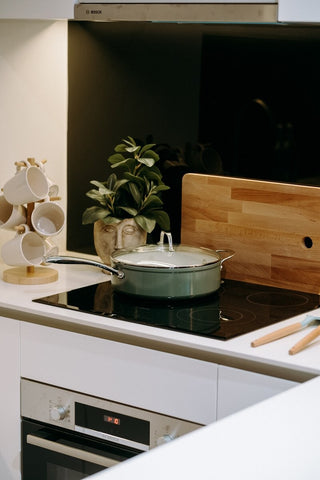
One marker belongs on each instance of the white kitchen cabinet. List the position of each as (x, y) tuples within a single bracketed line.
[(37, 9), (174, 385), (307, 11), (238, 389), (9, 399)]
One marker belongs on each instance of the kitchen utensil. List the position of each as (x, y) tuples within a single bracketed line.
[(161, 271), (285, 331), (305, 341)]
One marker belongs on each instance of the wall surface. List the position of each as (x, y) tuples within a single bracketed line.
[(33, 100), (125, 78), (247, 93)]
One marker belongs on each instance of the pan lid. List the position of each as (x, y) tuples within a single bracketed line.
[(161, 256)]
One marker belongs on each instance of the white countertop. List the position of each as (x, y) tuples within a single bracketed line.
[(273, 439), (16, 300)]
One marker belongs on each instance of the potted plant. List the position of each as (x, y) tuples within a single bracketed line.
[(130, 196)]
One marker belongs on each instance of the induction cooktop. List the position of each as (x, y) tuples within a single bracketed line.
[(235, 309)]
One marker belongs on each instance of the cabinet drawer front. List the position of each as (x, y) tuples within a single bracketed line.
[(162, 382)]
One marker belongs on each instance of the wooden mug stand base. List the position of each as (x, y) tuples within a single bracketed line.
[(30, 275)]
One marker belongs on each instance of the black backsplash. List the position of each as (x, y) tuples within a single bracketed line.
[(238, 100), (260, 108)]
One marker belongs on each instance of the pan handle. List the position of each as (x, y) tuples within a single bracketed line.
[(82, 261), (229, 254)]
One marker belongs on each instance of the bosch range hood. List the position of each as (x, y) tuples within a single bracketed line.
[(216, 12)]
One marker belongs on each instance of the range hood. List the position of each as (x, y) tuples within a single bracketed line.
[(216, 12)]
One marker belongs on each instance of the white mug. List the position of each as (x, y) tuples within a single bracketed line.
[(53, 187), (11, 215), (26, 248), (28, 185), (48, 219)]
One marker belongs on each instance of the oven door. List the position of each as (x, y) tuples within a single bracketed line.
[(50, 453)]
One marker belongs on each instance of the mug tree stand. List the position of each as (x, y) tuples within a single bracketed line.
[(30, 275)]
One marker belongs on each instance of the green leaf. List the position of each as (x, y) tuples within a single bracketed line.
[(116, 158), (120, 148), (151, 154), (149, 162), (150, 174), (97, 197), (100, 185), (133, 178), (152, 202), (131, 141), (132, 211), (132, 149), (103, 191), (110, 220), (120, 183), (161, 188), (111, 181), (126, 161), (131, 164), (150, 171), (135, 192), (147, 147), (145, 223), (162, 219), (92, 214)]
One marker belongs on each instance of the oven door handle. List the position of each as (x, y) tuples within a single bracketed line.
[(71, 451)]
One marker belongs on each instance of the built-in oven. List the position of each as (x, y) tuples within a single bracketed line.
[(68, 435)]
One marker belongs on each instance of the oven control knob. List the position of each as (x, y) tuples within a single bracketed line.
[(165, 439), (58, 413)]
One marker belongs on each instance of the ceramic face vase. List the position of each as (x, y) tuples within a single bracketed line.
[(108, 238)]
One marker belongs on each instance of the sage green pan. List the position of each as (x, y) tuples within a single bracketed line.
[(161, 271)]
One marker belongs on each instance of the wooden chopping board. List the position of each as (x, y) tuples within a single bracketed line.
[(274, 228)]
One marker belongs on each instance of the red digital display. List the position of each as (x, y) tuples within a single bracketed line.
[(113, 420), (112, 423)]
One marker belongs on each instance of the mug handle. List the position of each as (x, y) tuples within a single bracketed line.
[(22, 228)]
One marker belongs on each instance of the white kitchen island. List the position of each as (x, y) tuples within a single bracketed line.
[(275, 438)]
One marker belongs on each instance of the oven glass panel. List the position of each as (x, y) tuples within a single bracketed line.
[(57, 472), (237, 308), (43, 463)]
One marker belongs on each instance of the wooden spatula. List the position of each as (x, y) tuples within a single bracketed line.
[(305, 341), (284, 332)]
